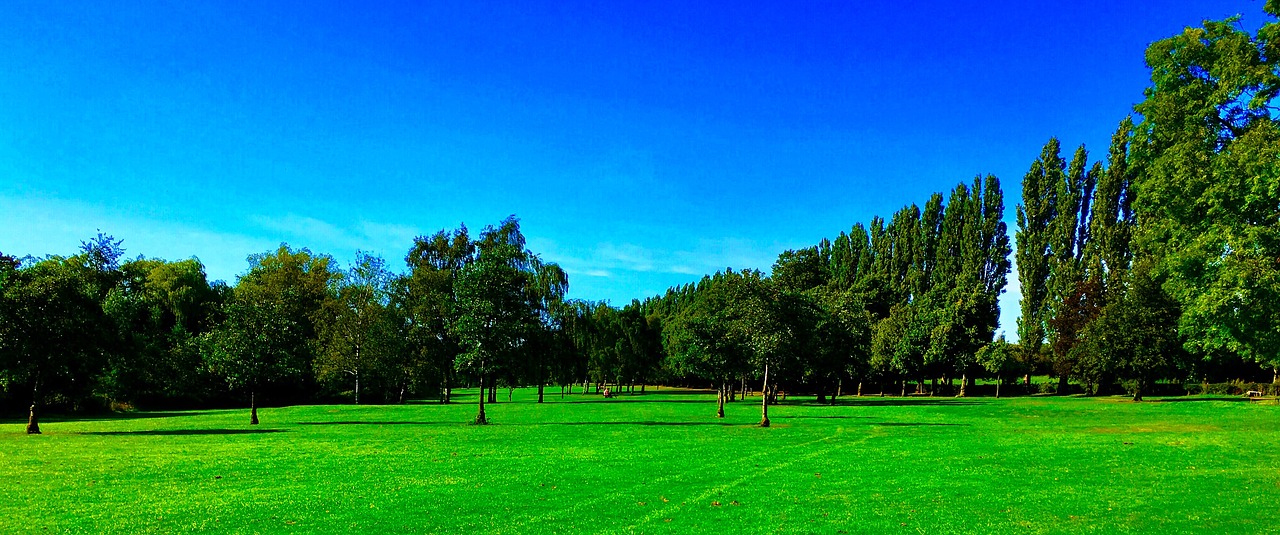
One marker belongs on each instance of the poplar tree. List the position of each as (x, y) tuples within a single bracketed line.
[(1034, 217)]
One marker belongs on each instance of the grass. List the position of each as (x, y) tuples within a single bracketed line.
[(657, 463)]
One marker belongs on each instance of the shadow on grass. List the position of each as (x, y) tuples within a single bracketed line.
[(916, 424), (353, 422), (831, 417), (901, 402), (180, 432), (1188, 399), (647, 423)]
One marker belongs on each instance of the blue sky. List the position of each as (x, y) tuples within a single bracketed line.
[(641, 145)]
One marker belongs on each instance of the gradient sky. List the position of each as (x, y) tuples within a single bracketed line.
[(641, 145)]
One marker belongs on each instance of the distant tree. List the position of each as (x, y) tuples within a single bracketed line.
[(997, 359), (357, 330), (253, 347), (493, 308), (430, 301), (296, 284), (1138, 334), (159, 311)]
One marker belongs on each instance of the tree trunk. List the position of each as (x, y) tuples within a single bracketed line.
[(933, 387), (999, 381), (539, 391), (720, 401), (859, 388), (764, 404), (642, 389), (1137, 391), (33, 421), (493, 392), (562, 391), (732, 390), (402, 394), (964, 380), (448, 389), (510, 390), (904, 388), (1063, 384), (253, 408), (357, 387), (480, 417)]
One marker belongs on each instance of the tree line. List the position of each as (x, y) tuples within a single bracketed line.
[(1160, 261)]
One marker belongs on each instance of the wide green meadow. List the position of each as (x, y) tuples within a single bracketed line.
[(656, 463)]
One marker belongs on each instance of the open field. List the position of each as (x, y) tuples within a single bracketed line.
[(657, 463)]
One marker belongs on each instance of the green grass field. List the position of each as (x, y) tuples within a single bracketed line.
[(657, 463)]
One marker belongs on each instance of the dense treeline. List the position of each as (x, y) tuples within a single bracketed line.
[(1160, 261)]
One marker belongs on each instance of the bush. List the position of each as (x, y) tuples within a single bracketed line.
[(1232, 388)]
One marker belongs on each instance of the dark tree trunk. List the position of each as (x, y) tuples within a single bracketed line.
[(539, 391), (731, 388), (480, 417), (764, 404), (510, 390), (1137, 390), (904, 388), (253, 408), (33, 423), (562, 391), (999, 381), (448, 389), (642, 389), (493, 392), (1063, 384)]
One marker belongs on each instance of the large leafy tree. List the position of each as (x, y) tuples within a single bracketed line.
[(159, 312), (296, 283), (495, 312), (254, 347), (430, 301), (1208, 188), (54, 336)]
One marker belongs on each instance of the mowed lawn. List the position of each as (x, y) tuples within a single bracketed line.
[(657, 463)]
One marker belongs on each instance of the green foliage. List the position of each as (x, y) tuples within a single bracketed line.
[(1209, 185)]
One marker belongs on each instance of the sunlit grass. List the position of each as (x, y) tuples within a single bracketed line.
[(660, 462)]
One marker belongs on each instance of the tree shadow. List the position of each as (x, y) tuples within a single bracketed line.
[(905, 402), (180, 432), (830, 417), (916, 424), (353, 422), (140, 415), (645, 423), (1191, 399)]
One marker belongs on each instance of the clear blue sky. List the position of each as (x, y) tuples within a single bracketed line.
[(641, 145)]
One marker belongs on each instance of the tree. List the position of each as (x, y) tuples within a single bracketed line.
[(997, 359), (159, 311), (54, 336), (357, 331), (1138, 333), (1034, 237), (1208, 183), (430, 301), (296, 284), (493, 309), (253, 347)]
